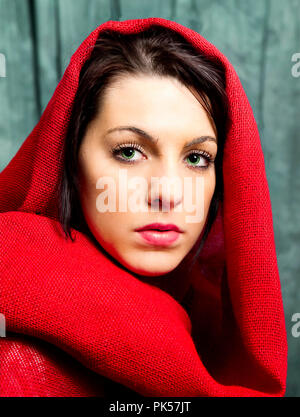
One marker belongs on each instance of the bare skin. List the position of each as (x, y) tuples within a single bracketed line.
[(171, 114)]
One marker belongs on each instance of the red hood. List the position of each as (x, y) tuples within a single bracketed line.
[(232, 342)]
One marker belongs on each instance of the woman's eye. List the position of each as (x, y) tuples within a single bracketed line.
[(129, 154), (198, 160)]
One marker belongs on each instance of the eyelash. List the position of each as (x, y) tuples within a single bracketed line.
[(137, 146)]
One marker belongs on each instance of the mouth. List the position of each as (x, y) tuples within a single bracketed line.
[(159, 234)]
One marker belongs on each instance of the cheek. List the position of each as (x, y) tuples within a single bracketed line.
[(202, 198), (108, 225), (209, 188), (90, 171), (88, 176), (203, 189)]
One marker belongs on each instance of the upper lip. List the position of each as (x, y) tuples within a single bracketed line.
[(160, 226)]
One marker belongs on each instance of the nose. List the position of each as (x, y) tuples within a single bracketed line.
[(165, 187)]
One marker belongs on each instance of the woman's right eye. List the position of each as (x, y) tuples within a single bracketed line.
[(128, 154)]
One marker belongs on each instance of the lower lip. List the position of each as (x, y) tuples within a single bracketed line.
[(159, 238)]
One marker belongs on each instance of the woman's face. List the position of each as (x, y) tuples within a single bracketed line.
[(142, 135)]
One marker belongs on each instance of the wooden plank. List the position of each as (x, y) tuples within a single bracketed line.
[(76, 23), (281, 104), (47, 49), (132, 9), (18, 109)]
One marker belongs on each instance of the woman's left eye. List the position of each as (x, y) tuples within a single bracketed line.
[(198, 160)]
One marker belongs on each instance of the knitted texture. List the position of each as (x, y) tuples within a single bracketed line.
[(76, 321)]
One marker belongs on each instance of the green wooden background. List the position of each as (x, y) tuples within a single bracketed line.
[(38, 37)]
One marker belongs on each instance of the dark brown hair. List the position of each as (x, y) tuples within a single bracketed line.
[(155, 51)]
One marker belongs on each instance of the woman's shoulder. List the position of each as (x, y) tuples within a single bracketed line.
[(34, 368)]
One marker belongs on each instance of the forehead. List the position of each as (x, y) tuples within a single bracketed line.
[(159, 104)]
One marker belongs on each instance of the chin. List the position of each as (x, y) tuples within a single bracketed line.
[(151, 272)]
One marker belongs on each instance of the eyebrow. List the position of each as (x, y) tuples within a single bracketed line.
[(151, 139)]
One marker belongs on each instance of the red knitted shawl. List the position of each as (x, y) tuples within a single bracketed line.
[(77, 323)]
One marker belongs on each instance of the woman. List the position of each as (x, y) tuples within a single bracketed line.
[(151, 295)]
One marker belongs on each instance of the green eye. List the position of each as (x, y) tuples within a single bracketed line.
[(199, 160), (128, 153), (194, 159)]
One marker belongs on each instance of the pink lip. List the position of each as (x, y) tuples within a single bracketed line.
[(159, 234), (159, 238), (160, 226)]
